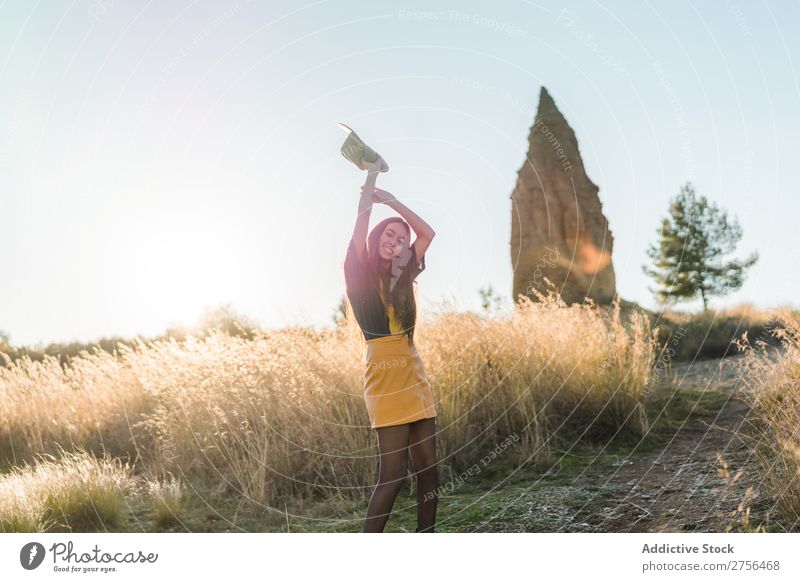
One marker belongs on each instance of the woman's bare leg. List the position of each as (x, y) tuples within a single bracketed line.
[(422, 449), (393, 451)]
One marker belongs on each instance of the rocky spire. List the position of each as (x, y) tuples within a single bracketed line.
[(558, 230)]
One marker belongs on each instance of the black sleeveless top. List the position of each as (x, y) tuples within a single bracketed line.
[(369, 311)]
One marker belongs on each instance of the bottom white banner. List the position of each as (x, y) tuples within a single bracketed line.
[(395, 556)]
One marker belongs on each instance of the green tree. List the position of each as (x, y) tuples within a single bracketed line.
[(688, 259), (340, 312), (489, 298)]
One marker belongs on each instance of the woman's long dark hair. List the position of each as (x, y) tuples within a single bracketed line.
[(401, 296)]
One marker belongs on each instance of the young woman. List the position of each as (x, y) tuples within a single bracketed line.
[(379, 274)]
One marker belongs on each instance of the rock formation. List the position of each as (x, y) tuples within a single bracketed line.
[(558, 231)]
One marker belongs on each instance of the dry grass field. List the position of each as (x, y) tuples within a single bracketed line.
[(227, 433)]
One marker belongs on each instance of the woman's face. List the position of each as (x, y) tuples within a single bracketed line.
[(392, 241)]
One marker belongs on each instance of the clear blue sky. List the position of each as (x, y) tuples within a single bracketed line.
[(160, 157)]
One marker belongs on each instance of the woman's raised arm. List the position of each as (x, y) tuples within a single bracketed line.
[(364, 210)]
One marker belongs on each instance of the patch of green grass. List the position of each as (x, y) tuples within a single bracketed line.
[(675, 409)]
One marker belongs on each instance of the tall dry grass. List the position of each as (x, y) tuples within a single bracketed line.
[(91, 403), (544, 368), (773, 379), (282, 414), (71, 492)]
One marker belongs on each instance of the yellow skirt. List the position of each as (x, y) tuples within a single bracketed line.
[(396, 388)]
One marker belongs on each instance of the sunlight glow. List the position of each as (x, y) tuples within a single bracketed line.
[(184, 262)]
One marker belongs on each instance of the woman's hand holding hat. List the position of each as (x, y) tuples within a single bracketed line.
[(378, 196)]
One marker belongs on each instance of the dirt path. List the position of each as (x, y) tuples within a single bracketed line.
[(699, 481)]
